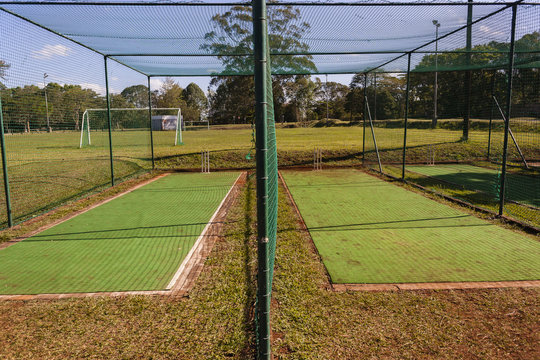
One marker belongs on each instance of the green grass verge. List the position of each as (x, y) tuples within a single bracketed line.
[(370, 231), (134, 242), (520, 188)]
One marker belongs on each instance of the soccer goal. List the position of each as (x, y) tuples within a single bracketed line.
[(197, 125), (123, 119)]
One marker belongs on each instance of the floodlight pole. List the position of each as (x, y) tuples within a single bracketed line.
[(261, 122), (4, 168), (435, 88), (406, 115), (508, 108), (108, 98), (46, 101), (150, 120), (364, 122)]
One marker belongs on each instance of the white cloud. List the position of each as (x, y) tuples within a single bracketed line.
[(96, 87), (115, 78), (155, 83), (489, 31), (48, 51)]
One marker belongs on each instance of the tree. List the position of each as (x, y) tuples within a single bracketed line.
[(336, 94), (232, 100), (170, 95), (234, 96), (389, 90), (233, 36), (490, 61), (3, 68), (197, 103), (301, 93), (136, 95)]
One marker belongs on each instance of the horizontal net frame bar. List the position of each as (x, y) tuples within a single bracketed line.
[(272, 4), (348, 63)]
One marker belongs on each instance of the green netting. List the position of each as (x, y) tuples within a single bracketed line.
[(186, 40), (272, 171), (454, 143)]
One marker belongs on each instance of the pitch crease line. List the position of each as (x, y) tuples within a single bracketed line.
[(195, 246)]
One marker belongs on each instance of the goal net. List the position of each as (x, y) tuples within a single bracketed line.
[(131, 119)]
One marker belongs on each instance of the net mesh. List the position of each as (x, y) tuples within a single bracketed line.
[(455, 119), (185, 39), (272, 171)]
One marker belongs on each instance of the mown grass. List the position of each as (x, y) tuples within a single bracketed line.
[(308, 321), (485, 200), (213, 322), (49, 169)]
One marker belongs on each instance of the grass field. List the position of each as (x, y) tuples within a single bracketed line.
[(308, 321), (523, 189), (370, 231), (134, 242), (48, 169)]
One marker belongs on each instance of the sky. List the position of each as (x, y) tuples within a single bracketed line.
[(31, 51)]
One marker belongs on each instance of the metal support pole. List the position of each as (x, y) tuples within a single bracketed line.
[(4, 168), (45, 76), (263, 278), (326, 88), (375, 96), (109, 120), (436, 85), (364, 122), (491, 115), (512, 134), (150, 120), (508, 108), (468, 74), (373, 136), (406, 115)]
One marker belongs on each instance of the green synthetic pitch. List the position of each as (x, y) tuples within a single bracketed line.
[(520, 188), (371, 231), (134, 242)]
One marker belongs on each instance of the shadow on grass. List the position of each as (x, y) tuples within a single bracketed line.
[(362, 226), (249, 283), (521, 189), (50, 237)]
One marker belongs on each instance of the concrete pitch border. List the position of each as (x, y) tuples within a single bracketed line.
[(407, 286), (188, 272)]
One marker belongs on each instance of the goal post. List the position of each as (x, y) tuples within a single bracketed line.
[(85, 131), (178, 130), (98, 119)]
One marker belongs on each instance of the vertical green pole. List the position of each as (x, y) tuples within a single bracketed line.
[(109, 120), (261, 121), (468, 74), (375, 96), (508, 108), (406, 115), (4, 167), (491, 114), (364, 125), (150, 121)]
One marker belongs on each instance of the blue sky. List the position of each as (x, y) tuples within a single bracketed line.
[(32, 51)]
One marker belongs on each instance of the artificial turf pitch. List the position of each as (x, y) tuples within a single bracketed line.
[(520, 188), (134, 242), (367, 230)]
